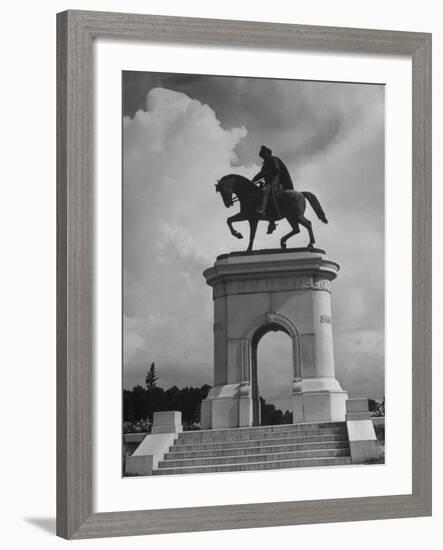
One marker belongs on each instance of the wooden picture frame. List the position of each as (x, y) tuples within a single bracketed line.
[(76, 32)]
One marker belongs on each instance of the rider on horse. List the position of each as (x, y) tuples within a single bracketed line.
[(276, 178)]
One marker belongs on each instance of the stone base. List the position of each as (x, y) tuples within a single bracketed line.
[(361, 433), (314, 400), (319, 400), (227, 406), (266, 291)]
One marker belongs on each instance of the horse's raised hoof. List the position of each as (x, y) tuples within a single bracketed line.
[(238, 235)]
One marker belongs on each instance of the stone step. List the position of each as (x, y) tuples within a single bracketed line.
[(245, 459), (237, 435), (291, 440), (294, 463), (262, 429), (176, 453)]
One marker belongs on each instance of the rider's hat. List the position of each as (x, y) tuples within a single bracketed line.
[(264, 150)]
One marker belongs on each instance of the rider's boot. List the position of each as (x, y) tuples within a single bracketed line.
[(271, 227), (264, 202)]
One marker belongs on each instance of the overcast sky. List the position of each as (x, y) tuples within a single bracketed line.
[(181, 134)]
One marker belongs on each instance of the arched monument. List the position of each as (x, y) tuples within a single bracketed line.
[(269, 290)]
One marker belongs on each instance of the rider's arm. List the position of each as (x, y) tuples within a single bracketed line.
[(258, 176)]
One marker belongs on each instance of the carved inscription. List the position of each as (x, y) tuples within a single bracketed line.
[(322, 284), (277, 284), (325, 319)]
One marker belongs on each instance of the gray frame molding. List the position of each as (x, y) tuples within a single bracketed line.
[(76, 31)]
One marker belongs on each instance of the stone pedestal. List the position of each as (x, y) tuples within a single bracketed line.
[(361, 433), (167, 422), (165, 429), (269, 290)]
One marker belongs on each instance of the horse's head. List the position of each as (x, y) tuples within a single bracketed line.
[(225, 186)]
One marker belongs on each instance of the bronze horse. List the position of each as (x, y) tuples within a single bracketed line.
[(289, 204)]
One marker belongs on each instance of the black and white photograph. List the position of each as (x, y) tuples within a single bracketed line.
[(217, 307), (253, 273)]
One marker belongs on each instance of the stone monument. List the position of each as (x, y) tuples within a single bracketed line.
[(272, 290)]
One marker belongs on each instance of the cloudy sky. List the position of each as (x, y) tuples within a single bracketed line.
[(183, 132)]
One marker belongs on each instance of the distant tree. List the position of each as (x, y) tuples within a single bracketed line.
[(187, 400), (381, 407), (271, 416), (140, 403), (151, 378), (377, 408), (287, 417), (135, 403)]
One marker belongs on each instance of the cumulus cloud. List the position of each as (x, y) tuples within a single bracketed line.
[(185, 134), (361, 365), (174, 152)]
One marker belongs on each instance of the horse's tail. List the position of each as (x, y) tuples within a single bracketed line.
[(315, 203)]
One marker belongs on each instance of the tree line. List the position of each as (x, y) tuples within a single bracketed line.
[(140, 403)]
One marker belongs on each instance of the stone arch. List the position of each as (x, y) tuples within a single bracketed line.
[(256, 330), (264, 323)]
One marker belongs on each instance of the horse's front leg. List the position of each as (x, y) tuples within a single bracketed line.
[(253, 228), (239, 217)]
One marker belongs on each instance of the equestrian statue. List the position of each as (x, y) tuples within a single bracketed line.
[(269, 196)]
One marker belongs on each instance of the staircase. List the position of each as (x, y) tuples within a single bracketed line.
[(259, 448)]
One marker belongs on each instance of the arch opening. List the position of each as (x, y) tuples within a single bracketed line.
[(272, 372)]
